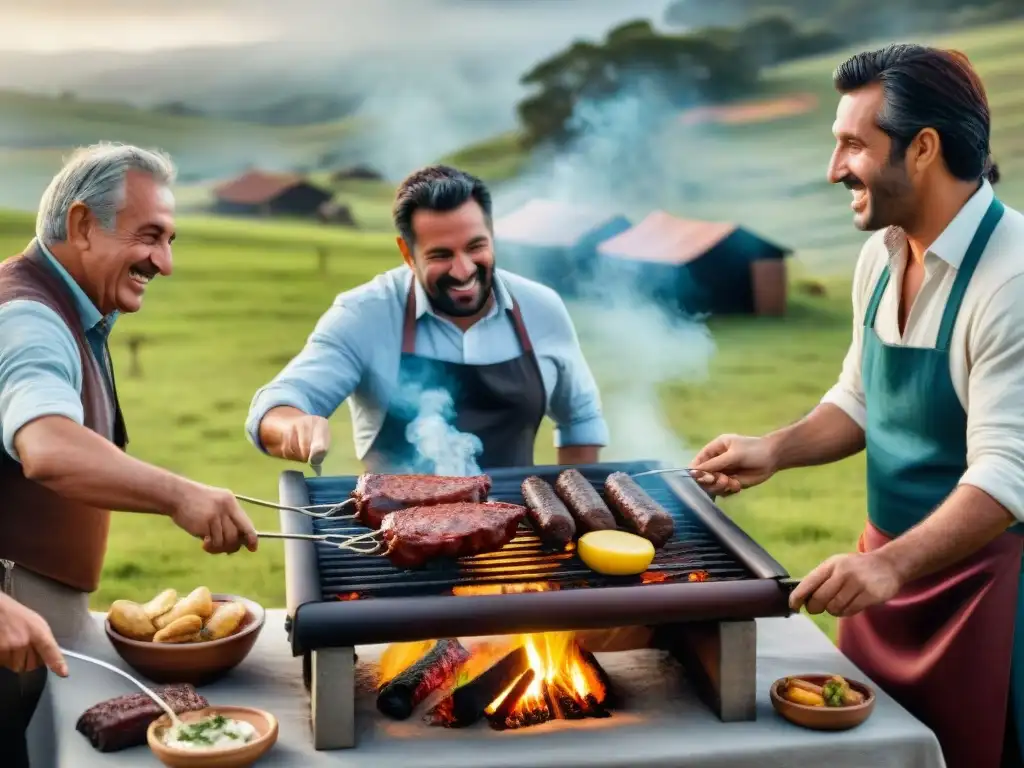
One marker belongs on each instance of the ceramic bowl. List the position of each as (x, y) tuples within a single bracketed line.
[(824, 718), (196, 663), (221, 757)]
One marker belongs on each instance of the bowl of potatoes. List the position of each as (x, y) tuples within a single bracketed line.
[(193, 639)]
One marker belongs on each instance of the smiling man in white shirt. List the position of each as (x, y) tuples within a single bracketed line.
[(502, 347), (933, 388)]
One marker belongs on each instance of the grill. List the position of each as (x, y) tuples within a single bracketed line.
[(338, 599)]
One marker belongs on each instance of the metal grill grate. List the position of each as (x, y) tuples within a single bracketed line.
[(525, 560)]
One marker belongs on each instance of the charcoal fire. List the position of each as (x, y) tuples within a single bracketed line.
[(547, 677), (398, 696)]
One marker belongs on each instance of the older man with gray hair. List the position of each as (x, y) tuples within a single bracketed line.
[(104, 231)]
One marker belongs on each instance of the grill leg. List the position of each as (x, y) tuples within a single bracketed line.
[(721, 659), (333, 698)]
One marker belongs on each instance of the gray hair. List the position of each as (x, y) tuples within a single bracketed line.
[(95, 176)]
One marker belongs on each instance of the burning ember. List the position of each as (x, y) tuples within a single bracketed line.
[(561, 682)]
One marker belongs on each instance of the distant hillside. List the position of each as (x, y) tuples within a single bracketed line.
[(36, 131)]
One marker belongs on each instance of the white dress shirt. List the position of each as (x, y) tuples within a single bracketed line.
[(353, 356), (986, 356)]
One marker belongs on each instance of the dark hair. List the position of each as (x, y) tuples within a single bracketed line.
[(436, 188), (928, 88)]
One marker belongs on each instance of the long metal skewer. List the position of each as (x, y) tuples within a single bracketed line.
[(674, 470), (160, 702)]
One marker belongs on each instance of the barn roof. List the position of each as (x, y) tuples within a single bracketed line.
[(255, 187), (662, 237), (551, 223)]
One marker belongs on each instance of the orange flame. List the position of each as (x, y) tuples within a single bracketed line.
[(562, 679), (398, 657), (503, 589)]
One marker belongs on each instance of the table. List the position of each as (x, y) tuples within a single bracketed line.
[(668, 727)]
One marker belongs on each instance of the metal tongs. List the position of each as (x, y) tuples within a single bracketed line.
[(335, 540), (310, 511)]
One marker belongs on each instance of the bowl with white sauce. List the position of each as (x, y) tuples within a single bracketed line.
[(215, 737)]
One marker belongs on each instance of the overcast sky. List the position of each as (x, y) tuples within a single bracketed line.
[(52, 25)]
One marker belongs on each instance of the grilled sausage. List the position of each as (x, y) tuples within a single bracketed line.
[(642, 513), (547, 512), (584, 502)]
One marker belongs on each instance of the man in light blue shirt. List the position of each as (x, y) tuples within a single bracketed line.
[(447, 363)]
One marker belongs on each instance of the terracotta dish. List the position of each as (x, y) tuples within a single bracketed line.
[(823, 718), (196, 663), (222, 757)]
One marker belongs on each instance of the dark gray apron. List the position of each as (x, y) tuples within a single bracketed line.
[(502, 404)]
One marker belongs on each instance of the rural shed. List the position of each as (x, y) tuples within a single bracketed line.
[(258, 193), (554, 242), (701, 266)]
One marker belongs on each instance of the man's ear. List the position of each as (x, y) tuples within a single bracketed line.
[(406, 251), (79, 226)]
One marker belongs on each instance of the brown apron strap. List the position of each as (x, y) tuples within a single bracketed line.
[(520, 326), (409, 324)]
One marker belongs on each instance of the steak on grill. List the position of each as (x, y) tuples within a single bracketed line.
[(377, 495), (416, 535), (121, 723)]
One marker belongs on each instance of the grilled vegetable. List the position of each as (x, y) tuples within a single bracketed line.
[(129, 619), (198, 602), (161, 604), (225, 621), (796, 682), (180, 630), (838, 693), (615, 553), (800, 696)]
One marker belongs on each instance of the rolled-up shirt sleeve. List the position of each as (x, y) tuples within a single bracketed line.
[(40, 369), (575, 403), (995, 412), (322, 376)]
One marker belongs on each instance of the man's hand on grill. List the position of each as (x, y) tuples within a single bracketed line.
[(26, 641), (845, 585), (214, 515), (306, 437), (733, 462)]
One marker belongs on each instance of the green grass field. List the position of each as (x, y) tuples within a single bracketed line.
[(245, 295)]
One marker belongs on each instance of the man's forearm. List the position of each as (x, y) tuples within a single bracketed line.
[(275, 425), (579, 454), (827, 434), (964, 523), (78, 464)]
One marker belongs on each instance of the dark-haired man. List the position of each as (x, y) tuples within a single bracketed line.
[(502, 346), (932, 386)]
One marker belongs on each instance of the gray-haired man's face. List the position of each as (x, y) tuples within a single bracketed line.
[(119, 264)]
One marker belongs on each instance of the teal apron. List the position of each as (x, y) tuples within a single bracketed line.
[(945, 647)]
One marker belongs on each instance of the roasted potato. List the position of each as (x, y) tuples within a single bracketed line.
[(181, 630), (224, 621), (129, 619), (198, 602), (161, 604)]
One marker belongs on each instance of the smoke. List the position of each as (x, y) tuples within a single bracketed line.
[(440, 448), (620, 162)]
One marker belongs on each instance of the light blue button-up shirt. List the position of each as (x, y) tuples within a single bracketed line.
[(40, 365), (354, 352)]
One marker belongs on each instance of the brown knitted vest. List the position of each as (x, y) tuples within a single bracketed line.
[(40, 530)]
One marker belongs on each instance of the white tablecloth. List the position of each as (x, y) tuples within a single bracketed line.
[(667, 726)]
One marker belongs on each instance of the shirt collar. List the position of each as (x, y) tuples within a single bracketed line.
[(952, 244), (87, 311), (503, 299)]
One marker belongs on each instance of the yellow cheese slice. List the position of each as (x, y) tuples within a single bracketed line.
[(615, 553)]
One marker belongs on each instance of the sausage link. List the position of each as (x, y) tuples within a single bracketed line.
[(584, 502), (639, 510), (547, 512)]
